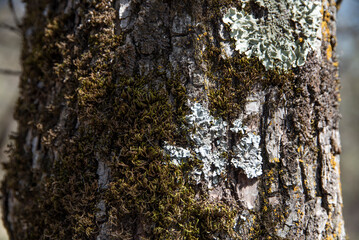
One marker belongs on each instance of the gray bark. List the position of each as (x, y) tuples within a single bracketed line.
[(139, 120)]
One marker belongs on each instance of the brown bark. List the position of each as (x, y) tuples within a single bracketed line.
[(107, 85)]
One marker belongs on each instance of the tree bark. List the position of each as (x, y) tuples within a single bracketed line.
[(144, 119)]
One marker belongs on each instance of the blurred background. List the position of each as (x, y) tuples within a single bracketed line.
[(348, 52), (10, 43)]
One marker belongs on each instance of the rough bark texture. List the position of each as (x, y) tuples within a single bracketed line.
[(108, 86)]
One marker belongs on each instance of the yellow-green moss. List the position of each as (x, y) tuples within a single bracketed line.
[(235, 78)]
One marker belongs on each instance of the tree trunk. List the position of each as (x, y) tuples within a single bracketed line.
[(161, 119)]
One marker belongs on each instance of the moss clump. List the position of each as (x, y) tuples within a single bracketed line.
[(235, 78), (146, 188)]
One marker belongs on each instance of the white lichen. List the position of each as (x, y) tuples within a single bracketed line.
[(178, 154), (247, 153), (211, 145), (281, 35)]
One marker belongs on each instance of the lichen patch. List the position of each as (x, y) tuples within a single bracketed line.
[(210, 137), (281, 33)]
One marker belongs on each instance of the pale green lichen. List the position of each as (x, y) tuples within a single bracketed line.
[(247, 151), (211, 146), (282, 35)]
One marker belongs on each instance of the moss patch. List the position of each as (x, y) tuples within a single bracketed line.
[(235, 78), (109, 116)]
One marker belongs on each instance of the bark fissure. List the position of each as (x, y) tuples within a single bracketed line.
[(304, 179)]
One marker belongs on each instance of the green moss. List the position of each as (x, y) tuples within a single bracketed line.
[(235, 78), (121, 120), (145, 185)]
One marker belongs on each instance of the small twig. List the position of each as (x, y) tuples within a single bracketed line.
[(12, 8), (9, 27), (9, 72)]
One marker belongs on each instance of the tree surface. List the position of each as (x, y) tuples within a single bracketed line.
[(161, 119)]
